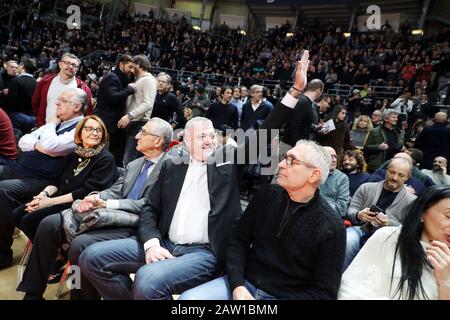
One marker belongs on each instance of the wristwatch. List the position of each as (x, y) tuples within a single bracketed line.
[(130, 116)]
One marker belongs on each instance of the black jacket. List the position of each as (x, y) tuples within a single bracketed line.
[(113, 92), (298, 125), (165, 106), (19, 96), (434, 141)]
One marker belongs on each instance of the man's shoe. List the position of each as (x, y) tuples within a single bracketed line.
[(31, 296)]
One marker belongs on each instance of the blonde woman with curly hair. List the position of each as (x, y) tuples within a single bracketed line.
[(360, 131)]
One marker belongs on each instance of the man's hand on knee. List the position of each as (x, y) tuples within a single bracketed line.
[(157, 253)]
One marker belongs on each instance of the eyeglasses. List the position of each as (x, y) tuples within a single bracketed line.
[(290, 161), (70, 64), (90, 130), (144, 133), (62, 100)]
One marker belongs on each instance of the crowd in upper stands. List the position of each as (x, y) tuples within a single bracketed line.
[(352, 168)]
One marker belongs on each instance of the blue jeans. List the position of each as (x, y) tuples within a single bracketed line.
[(193, 265), (354, 236), (22, 121), (219, 289)]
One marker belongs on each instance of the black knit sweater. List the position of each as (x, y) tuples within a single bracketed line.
[(304, 260)]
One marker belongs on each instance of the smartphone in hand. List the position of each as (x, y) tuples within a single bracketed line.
[(375, 209)]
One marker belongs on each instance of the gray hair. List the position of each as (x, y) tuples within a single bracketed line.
[(191, 123), (162, 129), (71, 56), (387, 113), (255, 87), (80, 96), (167, 76), (318, 156)]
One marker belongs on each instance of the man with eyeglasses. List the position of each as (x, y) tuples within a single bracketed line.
[(41, 161), (50, 87), (336, 189), (289, 243)]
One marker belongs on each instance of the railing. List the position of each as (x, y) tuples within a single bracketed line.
[(381, 92)]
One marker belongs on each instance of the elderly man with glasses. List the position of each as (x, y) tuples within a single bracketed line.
[(50, 86), (41, 161), (290, 243)]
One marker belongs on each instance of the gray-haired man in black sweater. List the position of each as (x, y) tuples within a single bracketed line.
[(289, 244)]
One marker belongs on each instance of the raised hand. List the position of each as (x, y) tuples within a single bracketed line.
[(301, 71)]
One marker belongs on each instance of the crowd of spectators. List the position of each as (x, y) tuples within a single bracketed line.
[(379, 139)]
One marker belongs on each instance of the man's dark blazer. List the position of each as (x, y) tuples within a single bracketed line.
[(223, 186), (434, 141), (20, 93), (113, 92)]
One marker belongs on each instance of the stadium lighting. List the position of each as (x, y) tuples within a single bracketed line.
[(196, 28), (417, 32), (289, 34), (347, 34)]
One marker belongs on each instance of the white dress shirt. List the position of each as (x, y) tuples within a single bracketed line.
[(55, 89), (55, 145), (190, 219)]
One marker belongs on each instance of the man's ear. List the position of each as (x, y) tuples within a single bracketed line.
[(315, 176), (78, 107)]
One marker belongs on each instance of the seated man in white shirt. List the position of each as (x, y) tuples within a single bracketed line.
[(41, 161), (188, 218)]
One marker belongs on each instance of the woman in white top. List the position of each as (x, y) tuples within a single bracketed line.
[(409, 262)]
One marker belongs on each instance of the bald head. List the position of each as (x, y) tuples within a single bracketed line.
[(398, 171), (404, 155), (440, 117), (439, 163)]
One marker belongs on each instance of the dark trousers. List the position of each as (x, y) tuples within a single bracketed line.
[(6, 162), (49, 238), (13, 193), (29, 222), (116, 145)]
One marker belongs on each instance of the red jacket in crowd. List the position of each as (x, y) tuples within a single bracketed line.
[(8, 147), (39, 100)]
